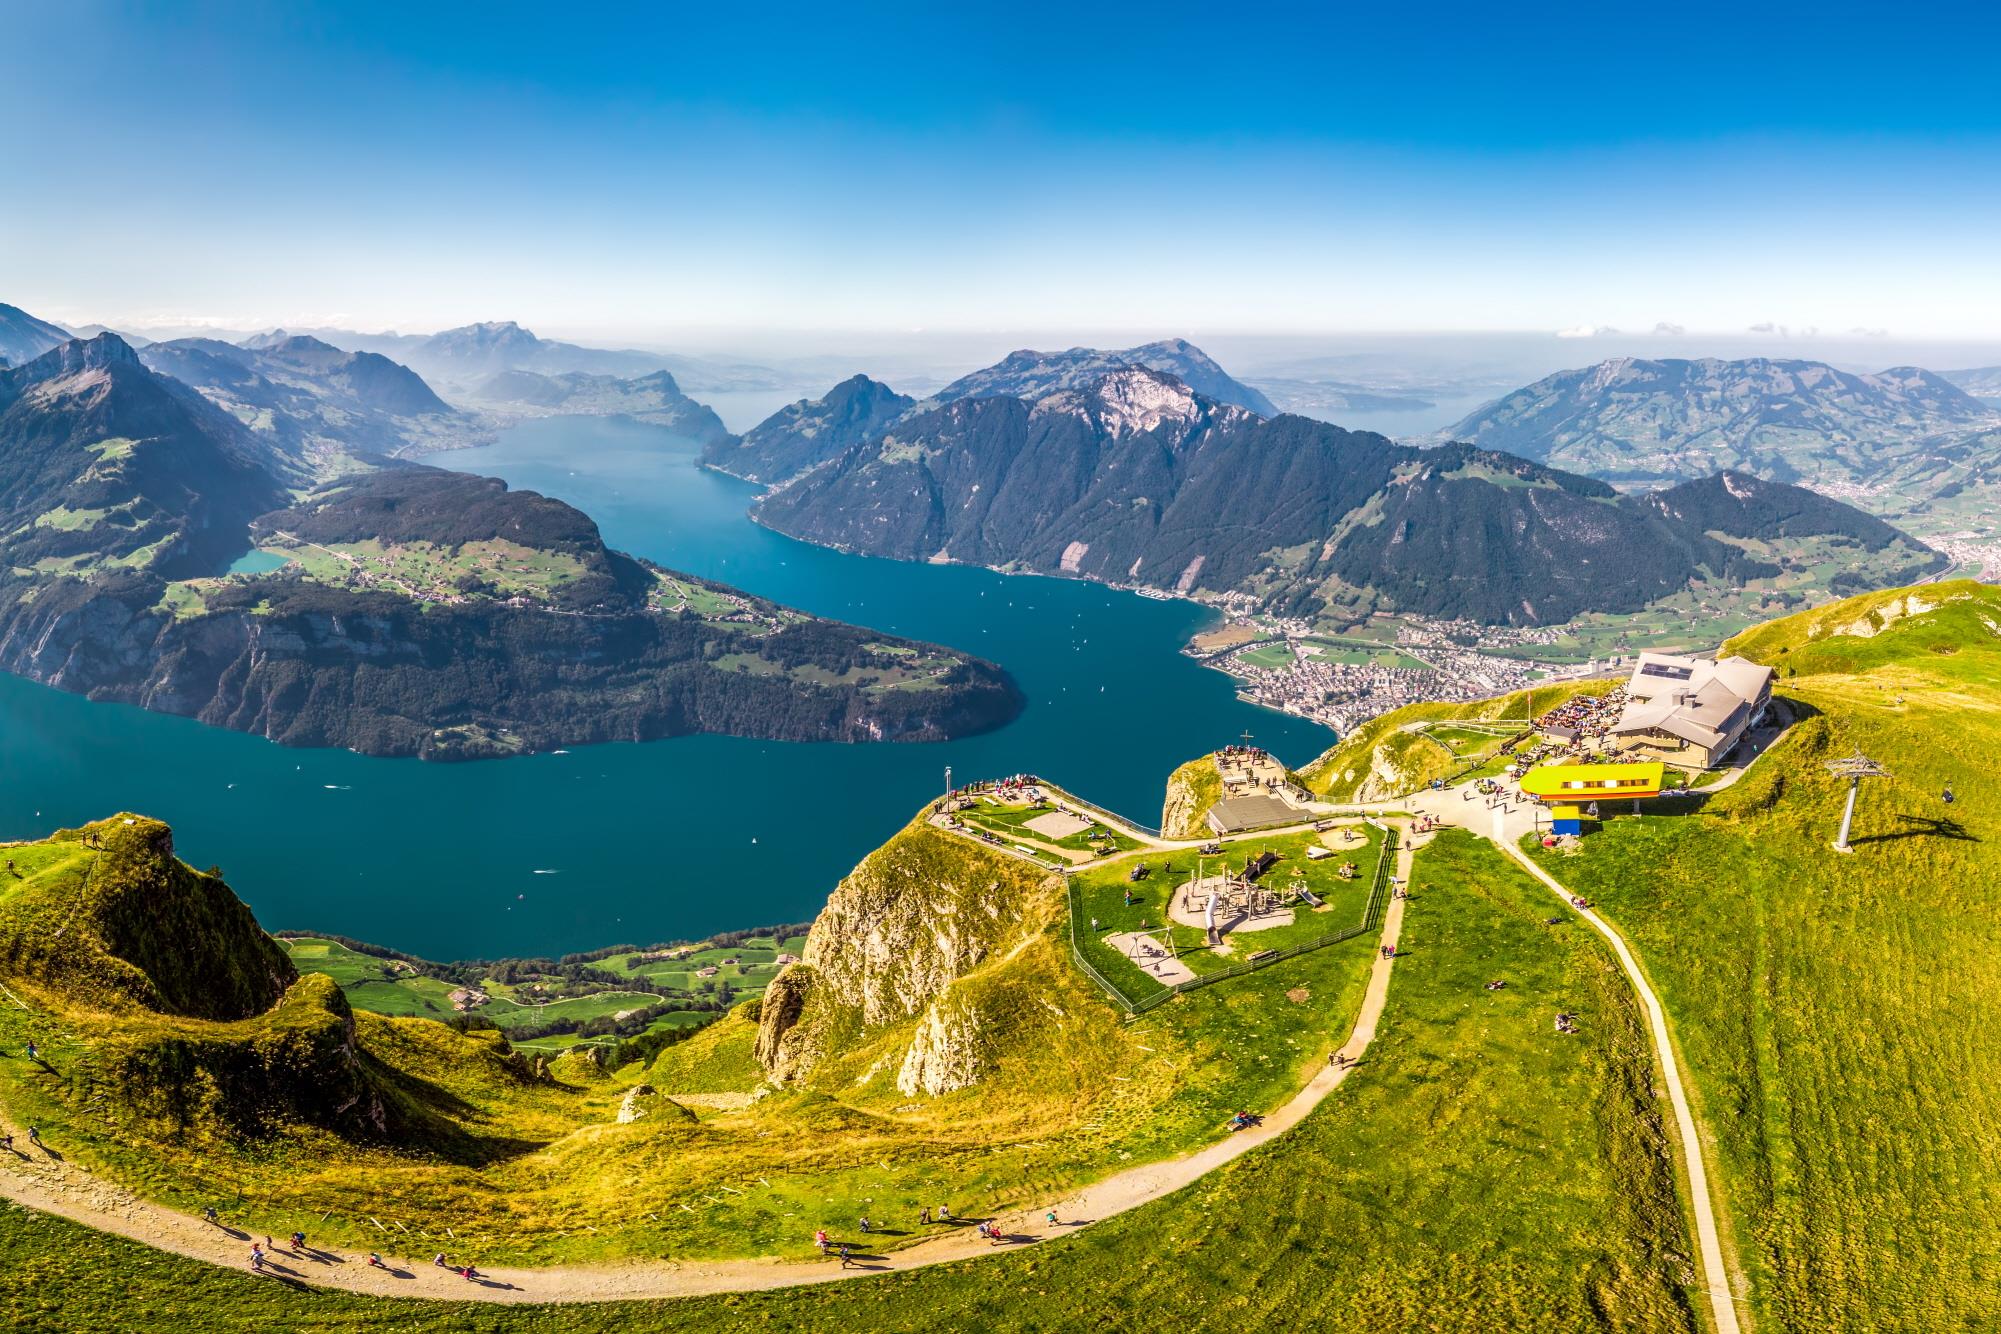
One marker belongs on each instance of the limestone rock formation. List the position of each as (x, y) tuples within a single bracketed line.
[(897, 942)]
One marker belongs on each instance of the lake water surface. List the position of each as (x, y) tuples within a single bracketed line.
[(679, 838)]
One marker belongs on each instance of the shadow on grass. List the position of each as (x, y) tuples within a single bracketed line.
[(1923, 826)]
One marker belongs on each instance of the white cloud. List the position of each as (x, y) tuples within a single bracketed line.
[(1674, 330), (1586, 331)]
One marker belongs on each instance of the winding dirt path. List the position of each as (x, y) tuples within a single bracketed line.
[(1508, 819), (1715, 1271), (43, 1181)]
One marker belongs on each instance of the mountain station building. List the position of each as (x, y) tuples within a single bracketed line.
[(1691, 712)]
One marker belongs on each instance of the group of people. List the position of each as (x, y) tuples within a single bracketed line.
[(261, 1252), (991, 1232), (1585, 715)]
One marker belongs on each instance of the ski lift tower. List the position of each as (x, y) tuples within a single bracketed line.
[(1855, 768)]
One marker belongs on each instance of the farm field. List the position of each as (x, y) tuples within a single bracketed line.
[(1268, 656), (1359, 652), (525, 1008)]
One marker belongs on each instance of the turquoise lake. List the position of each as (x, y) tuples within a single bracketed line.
[(671, 839)]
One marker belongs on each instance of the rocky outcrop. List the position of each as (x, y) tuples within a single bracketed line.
[(897, 941), (642, 1102), (1191, 791), (949, 1051), (919, 912), (784, 1004)]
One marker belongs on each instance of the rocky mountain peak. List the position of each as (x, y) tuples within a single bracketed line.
[(1131, 400), (80, 356)]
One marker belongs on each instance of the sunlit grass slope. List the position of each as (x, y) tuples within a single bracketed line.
[(1841, 1015), (1478, 1172)]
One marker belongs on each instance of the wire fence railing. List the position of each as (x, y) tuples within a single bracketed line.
[(1372, 919)]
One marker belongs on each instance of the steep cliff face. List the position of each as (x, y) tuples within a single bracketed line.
[(1191, 791), (924, 930)]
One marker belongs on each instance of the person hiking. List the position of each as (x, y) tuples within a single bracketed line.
[(924, 1215), (1050, 1218), (439, 1260), (7, 1142), (470, 1273), (944, 1213), (298, 1241), (820, 1240), (847, 1257), (375, 1261), (208, 1215), (256, 1260), (33, 1054), (35, 1136), (864, 1224)]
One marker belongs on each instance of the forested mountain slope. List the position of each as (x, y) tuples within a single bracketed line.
[(1135, 479)]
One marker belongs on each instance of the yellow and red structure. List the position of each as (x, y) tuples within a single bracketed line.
[(1565, 788)]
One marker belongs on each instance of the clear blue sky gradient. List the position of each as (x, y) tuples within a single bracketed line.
[(1297, 168)]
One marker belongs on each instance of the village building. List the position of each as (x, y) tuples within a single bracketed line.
[(1691, 712)]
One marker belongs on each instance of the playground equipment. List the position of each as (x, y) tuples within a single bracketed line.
[(1565, 788)]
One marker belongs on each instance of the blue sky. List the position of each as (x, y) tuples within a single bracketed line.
[(1172, 167)]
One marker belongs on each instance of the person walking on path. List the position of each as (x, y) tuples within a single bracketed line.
[(1051, 1217), (208, 1216), (299, 1242), (35, 1136), (847, 1257)]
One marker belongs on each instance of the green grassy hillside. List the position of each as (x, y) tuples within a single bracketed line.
[(1841, 1015), (1478, 1172), (955, 1052), (1404, 749)]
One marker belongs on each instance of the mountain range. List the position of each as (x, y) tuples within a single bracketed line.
[(654, 397), (1134, 478), (1981, 382), (805, 434), (811, 432), (312, 399), (23, 337), (1030, 374), (412, 611), (1903, 443), (458, 360)]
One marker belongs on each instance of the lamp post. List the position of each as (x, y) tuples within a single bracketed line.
[(1855, 768)]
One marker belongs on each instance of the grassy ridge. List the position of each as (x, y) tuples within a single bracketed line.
[(1389, 755), (1842, 1015)]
